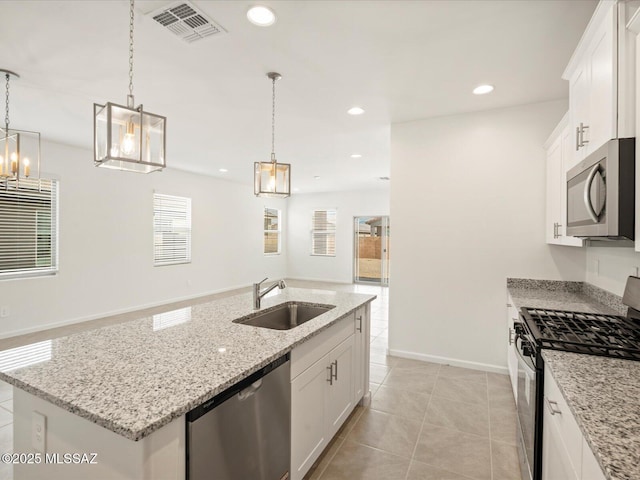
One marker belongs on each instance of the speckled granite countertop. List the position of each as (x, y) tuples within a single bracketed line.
[(602, 393), (604, 396), (135, 377)]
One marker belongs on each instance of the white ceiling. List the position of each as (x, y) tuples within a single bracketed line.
[(399, 60)]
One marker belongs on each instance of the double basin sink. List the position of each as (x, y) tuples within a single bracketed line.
[(286, 316)]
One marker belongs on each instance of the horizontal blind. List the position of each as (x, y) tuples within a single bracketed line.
[(271, 231), (29, 228), (171, 229), (323, 233)]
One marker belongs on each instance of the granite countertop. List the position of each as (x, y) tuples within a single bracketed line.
[(604, 396), (602, 393), (135, 377)]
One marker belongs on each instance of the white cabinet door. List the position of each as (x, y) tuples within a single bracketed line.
[(579, 111), (555, 459), (309, 418), (512, 356), (340, 397), (591, 470)]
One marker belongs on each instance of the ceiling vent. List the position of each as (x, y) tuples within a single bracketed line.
[(186, 21)]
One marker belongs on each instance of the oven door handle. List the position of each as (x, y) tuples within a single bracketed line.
[(587, 193)]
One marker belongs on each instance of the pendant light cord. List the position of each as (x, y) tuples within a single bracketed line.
[(6, 113), (130, 96), (273, 121)]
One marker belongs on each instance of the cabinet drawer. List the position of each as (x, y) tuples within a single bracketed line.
[(305, 355), (562, 419)]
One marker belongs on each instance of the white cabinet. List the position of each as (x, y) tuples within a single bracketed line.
[(558, 148), (601, 82), (512, 355), (565, 453), (328, 375)]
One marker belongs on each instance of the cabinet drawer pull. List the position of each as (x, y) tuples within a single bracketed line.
[(553, 407), (359, 327), (577, 138), (336, 372), (330, 379), (582, 129)]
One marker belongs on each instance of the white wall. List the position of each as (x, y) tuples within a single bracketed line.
[(106, 240), (468, 211), (609, 267), (301, 264)]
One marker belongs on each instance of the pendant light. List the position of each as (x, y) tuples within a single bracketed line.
[(272, 179), (18, 148), (128, 138)]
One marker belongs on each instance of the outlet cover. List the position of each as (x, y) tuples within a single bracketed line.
[(38, 432)]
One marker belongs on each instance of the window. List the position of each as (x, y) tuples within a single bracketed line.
[(323, 233), (29, 229), (272, 231), (171, 230)]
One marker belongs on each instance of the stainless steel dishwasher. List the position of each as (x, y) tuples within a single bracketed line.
[(244, 432)]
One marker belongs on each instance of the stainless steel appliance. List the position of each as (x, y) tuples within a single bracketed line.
[(244, 432), (601, 193), (580, 332)]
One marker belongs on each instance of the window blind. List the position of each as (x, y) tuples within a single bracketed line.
[(171, 230), (323, 232), (272, 231), (29, 228)]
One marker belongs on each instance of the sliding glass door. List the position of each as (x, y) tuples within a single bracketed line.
[(371, 250)]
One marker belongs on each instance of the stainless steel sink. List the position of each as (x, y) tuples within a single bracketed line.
[(285, 316)]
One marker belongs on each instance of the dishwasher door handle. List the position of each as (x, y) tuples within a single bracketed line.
[(250, 390)]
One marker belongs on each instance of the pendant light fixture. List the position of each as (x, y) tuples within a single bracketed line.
[(128, 138), (272, 179), (18, 148)]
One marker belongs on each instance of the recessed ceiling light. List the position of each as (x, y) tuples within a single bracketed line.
[(356, 155), (316, 177), (223, 170), (261, 16), (355, 111), (482, 89), (296, 189)]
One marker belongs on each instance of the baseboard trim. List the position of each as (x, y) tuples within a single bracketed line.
[(486, 367)]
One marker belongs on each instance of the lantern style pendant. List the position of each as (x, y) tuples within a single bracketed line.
[(127, 137), (272, 179), (19, 149)]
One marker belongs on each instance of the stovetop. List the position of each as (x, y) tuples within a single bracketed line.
[(582, 332)]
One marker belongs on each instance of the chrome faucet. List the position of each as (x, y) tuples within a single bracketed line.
[(257, 294)]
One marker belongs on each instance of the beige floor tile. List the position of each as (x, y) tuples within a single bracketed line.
[(462, 416), (373, 388), (498, 380), (6, 438), (461, 390), (414, 380), (359, 462), (505, 461), (378, 349), (6, 471), (426, 367), (351, 421), (6, 417), (455, 451), (501, 397), (400, 402), (422, 471), (463, 373), (377, 373), (6, 391), (382, 359), (502, 423), (391, 433)]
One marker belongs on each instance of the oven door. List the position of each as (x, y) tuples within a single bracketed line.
[(526, 407)]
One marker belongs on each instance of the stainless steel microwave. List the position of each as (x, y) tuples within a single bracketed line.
[(601, 193)]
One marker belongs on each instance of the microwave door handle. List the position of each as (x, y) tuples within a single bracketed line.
[(587, 193)]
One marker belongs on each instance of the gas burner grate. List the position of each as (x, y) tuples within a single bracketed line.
[(584, 332)]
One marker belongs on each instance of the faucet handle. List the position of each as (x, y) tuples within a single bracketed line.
[(262, 281)]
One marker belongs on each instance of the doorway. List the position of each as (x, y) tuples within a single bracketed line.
[(371, 250)]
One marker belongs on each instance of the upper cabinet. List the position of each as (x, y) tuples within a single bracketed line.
[(559, 148), (601, 76)]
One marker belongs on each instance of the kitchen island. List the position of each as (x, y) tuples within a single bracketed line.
[(122, 391)]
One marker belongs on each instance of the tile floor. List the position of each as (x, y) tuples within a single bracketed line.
[(426, 421)]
